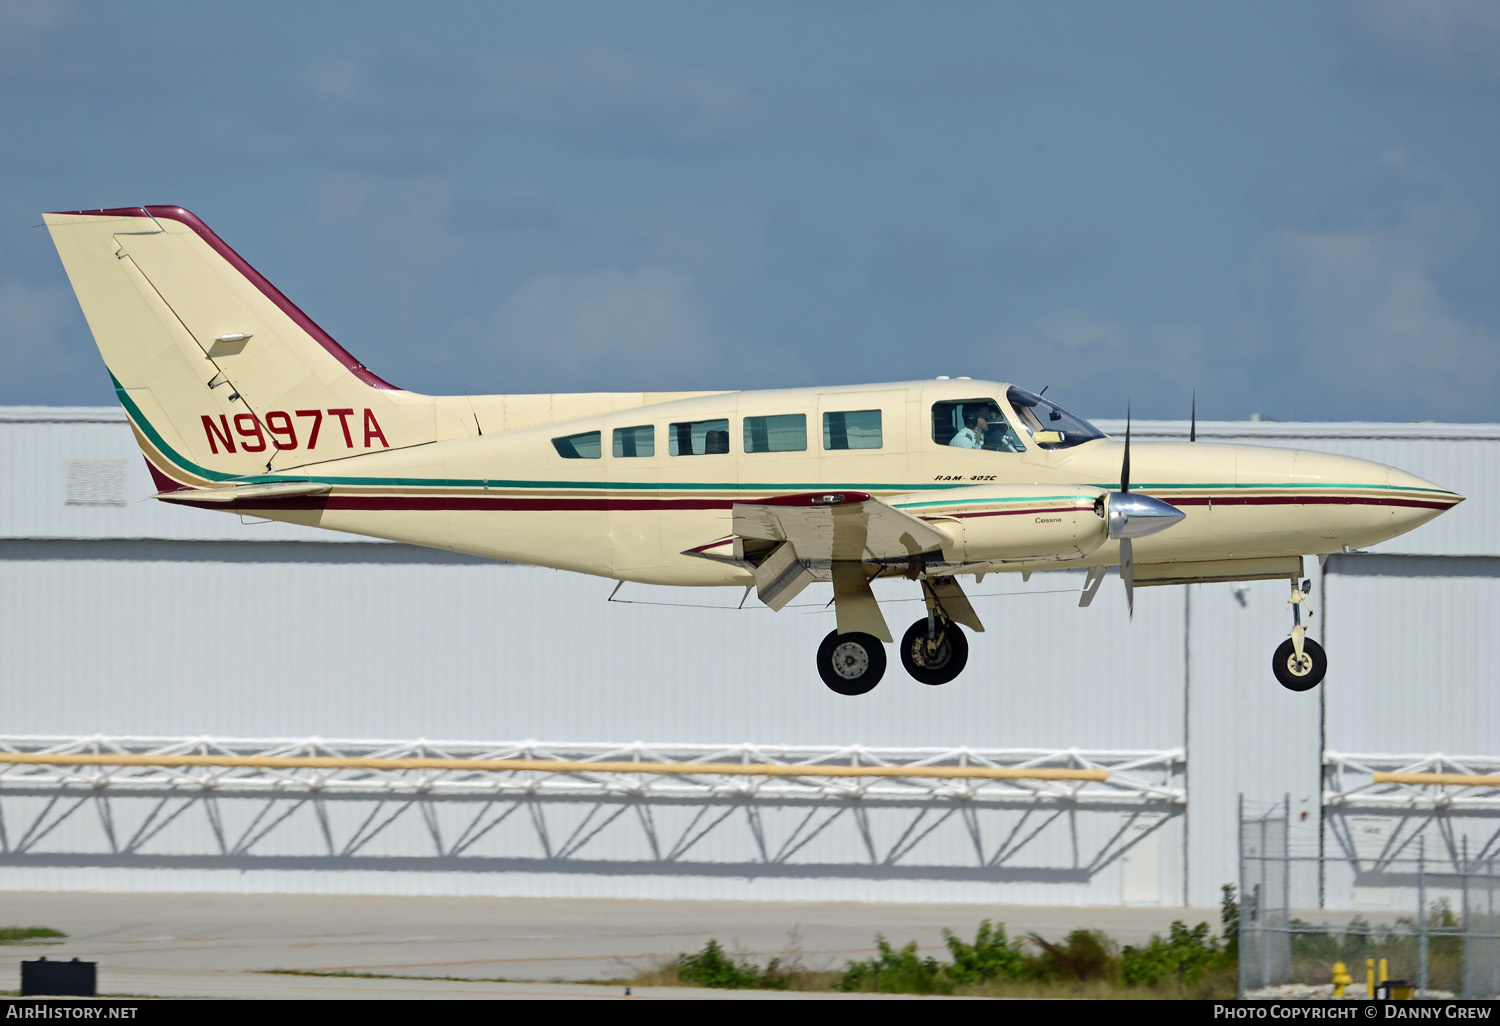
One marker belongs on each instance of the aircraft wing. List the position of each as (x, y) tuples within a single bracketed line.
[(827, 536), (826, 527)]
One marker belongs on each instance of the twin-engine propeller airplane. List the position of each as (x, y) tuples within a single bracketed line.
[(241, 403)]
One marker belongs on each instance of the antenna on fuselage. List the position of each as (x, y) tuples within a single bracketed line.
[(1193, 431)]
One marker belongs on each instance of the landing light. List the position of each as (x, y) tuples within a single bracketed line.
[(832, 499)]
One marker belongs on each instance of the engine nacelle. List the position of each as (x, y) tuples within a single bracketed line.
[(990, 523)]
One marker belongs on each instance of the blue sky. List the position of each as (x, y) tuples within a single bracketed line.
[(1291, 207)]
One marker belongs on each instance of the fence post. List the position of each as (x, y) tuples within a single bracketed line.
[(1241, 939), (1421, 917), (1286, 855)]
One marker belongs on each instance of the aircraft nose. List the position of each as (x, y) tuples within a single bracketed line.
[(1419, 500), (1398, 500)]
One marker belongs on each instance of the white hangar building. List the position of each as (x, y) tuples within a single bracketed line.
[(130, 626)]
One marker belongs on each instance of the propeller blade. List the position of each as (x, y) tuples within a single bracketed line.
[(1127, 573), (1193, 431), (1125, 465)]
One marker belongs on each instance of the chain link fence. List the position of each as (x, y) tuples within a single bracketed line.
[(1440, 934)]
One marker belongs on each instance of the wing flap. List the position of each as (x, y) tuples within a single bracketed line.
[(837, 527)]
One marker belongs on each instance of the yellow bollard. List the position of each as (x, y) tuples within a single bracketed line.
[(1370, 978), (1341, 979), (1384, 972)]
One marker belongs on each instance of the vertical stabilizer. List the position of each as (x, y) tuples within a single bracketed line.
[(221, 375)]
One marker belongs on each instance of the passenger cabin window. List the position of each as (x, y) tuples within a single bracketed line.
[(635, 441), (784, 433), (698, 437), (973, 424), (851, 429), (578, 447)]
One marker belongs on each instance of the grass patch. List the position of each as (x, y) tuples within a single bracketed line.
[(30, 935)]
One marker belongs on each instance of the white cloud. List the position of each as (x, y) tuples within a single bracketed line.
[(1363, 312), (1446, 39), (1079, 331), (1357, 306), (644, 318), (605, 95), (33, 16)]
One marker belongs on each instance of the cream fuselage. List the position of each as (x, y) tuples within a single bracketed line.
[(510, 495)]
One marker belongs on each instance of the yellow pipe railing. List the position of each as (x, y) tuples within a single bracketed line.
[(1458, 779), (726, 769)]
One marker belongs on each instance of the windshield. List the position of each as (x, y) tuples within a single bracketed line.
[(1050, 425)]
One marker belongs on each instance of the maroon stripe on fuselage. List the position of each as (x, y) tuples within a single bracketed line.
[(559, 504), (255, 278), (1010, 512), (460, 502)]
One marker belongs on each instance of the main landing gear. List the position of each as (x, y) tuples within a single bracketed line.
[(933, 650), (851, 664), (1299, 663)]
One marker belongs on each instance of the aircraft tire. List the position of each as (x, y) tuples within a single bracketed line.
[(947, 663), (851, 664), (1314, 665)]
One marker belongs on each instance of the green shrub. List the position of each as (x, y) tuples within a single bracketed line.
[(990, 957), (896, 972), (712, 968), (1184, 957), (1082, 956), (1229, 919)]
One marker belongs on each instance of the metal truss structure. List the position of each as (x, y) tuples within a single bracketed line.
[(638, 769), (737, 811), (1434, 781)]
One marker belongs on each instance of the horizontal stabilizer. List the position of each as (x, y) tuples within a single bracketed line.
[(235, 493)]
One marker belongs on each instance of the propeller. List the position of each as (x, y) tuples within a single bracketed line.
[(1132, 515)]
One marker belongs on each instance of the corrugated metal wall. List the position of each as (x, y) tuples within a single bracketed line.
[(150, 619)]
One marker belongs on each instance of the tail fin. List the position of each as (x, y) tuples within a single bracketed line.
[(221, 375)]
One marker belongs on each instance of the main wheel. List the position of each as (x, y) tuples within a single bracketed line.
[(934, 664), (1299, 674), (851, 664)]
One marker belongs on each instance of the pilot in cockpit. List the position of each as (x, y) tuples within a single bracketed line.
[(971, 435)]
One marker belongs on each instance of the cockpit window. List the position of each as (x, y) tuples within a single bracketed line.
[(973, 424), (1049, 425)]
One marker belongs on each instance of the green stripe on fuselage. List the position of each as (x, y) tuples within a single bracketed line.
[(138, 418)]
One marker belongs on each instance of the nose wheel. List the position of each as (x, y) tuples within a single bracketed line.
[(851, 664), (1300, 662), (933, 651), (1299, 671)]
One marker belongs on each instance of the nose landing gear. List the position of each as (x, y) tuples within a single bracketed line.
[(1299, 663)]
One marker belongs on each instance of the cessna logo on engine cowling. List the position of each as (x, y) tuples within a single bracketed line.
[(278, 428)]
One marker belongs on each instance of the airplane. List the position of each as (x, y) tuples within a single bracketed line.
[(241, 403)]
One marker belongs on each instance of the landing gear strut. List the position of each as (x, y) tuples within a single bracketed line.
[(1299, 663), (851, 664), (933, 650)]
